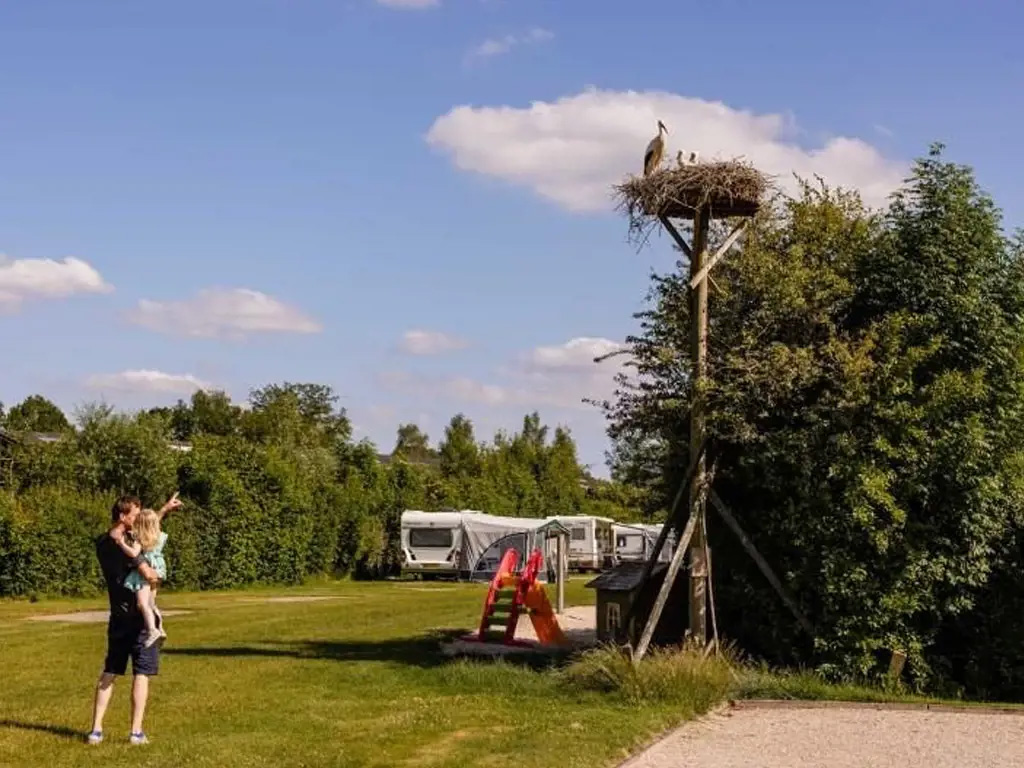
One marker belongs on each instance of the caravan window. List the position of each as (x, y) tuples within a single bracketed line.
[(430, 537), (579, 533)]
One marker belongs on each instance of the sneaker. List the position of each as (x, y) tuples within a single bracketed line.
[(95, 737), (138, 739), (151, 638)]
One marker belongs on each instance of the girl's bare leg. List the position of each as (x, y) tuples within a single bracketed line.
[(156, 612), (145, 601)]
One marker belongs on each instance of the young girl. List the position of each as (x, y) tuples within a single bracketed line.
[(150, 542)]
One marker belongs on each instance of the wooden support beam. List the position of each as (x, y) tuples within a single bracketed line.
[(733, 523), (666, 588), (706, 268), (670, 524), (676, 236)]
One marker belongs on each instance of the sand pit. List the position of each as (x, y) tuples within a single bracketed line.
[(89, 617), (578, 623)]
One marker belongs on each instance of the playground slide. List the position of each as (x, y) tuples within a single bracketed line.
[(543, 617)]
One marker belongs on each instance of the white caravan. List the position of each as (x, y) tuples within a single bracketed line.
[(468, 544), (591, 543), (431, 543), (635, 542)]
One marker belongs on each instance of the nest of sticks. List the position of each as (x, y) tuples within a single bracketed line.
[(726, 188)]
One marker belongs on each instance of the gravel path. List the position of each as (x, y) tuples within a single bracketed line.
[(841, 738)]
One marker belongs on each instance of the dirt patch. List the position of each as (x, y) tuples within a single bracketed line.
[(439, 750), (840, 737), (88, 617)]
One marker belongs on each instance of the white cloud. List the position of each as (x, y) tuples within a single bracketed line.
[(424, 343), (27, 279), (147, 381), (498, 46), (559, 376), (575, 356), (571, 151), (409, 4), (233, 313)]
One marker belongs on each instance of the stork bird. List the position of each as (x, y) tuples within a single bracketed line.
[(652, 157), (691, 160)]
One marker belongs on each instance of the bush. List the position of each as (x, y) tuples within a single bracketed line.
[(47, 542), (275, 494), (679, 676)]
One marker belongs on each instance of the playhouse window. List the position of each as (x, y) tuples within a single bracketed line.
[(612, 618)]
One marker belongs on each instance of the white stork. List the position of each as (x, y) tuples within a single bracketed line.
[(652, 157)]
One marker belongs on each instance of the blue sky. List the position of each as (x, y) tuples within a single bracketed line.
[(409, 203)]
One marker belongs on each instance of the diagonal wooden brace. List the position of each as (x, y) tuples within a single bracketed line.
[(730, 241), (676, 236), (732, 522)]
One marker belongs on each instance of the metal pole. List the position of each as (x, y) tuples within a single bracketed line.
[(560, 575), (698, 490)]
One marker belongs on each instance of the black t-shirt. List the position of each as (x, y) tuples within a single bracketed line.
[(125, 618)]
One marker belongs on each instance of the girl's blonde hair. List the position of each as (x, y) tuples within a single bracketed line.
[(147, 529)]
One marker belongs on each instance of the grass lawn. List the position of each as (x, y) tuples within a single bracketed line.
[(355, 680)]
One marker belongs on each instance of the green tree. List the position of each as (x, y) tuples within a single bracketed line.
[(206, 413), (315, 403), (412, 444), (459, 452), (561, 477), (300, 414), (864, 397), (37, 414)]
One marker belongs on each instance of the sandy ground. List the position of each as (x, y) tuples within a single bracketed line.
[(841, 738), (578, 624)]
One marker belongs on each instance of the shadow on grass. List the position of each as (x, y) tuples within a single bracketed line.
[(422, 651), (57, 730)]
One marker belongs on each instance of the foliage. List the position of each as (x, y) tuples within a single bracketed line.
[(865, 398), (47, 542), (273, 494), (35, 414)]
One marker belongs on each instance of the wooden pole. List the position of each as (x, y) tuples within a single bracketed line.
[(698, 488)]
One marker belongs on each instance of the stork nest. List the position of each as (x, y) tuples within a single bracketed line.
[(726, 188)]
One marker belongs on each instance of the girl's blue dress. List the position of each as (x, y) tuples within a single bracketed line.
[(155, 559)]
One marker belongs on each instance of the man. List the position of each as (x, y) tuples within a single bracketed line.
[(126, 629)]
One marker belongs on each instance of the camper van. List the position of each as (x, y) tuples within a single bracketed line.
[(632, 542), (635, 542), (432, 543), (469, 544), (591, 543)]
